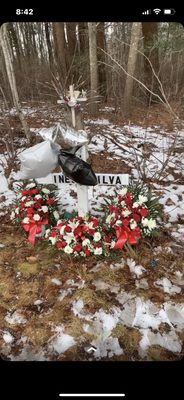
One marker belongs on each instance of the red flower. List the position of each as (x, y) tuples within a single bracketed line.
[(29, 211), (67, 229), (84, 228), (25, 193), (77, 247), (125, 221), (33, 191), (95, 223), (77, 231), (50, 202), (60, 245), (107, 239), (87, 253), (143, 212), (136, 217), (128, 199), (53, 233), (91, 232), (97, 245), (111, 208)]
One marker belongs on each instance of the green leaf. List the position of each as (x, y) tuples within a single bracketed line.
[(67, 215)]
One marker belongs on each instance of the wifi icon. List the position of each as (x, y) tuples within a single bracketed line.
[(157, 10)]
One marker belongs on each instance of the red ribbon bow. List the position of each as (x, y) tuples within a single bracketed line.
[(34, 227), (126, 234)]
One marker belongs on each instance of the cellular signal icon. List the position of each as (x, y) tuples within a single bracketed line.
[(147, 12)]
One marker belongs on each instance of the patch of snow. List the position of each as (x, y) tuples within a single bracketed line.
[(107, 348), (102, 324), (100, 285), (167, 286), (142, 284), (77, 306), (8, 338), (135, 269), (148, 315), (61, 342), (29, 354), (65, 292), (159, 249), (117, 266), (15, 318), (98, 121), (169, 341), (56, 281), (175, 314), (38, 302)]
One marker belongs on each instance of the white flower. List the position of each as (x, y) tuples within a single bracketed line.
[(47, 233), (12, 216), (123, 191), (126, 213), (145, 221), (68, 250), (44, 209), (85, 242), (118, 222), (23, 198), (97, 236), (68, 237), (151, 224), (26, 220), (29, 203), (46, 191), (135, 205), (17, 210), (142, 199), (122, 203), (31, 185), (108, 219), (56, 215), (36, 217), (89, 225), (98, 251), (133, 225), (112, 244), (52, 240), (59, 222), (62, 229), (38, 196), (73, 224)]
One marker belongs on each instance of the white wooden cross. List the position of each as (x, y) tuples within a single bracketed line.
[(103, 179), (82, 190)]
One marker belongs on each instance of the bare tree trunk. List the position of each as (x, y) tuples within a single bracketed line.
[(83, 37), (132, 58), (150, 33), (72, 40), (11, 77), (60, 49), (93, 65), (101, 43), (49, 46)]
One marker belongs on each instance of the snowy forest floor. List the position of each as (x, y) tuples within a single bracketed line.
[(54, 307)]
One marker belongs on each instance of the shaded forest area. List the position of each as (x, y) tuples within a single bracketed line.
[(100, 58)]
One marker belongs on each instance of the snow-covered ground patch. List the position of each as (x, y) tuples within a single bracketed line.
[(167, 286), (135, 269), (61, 342), (15, 318)]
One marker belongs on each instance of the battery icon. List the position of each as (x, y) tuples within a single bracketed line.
[(169, 11)]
